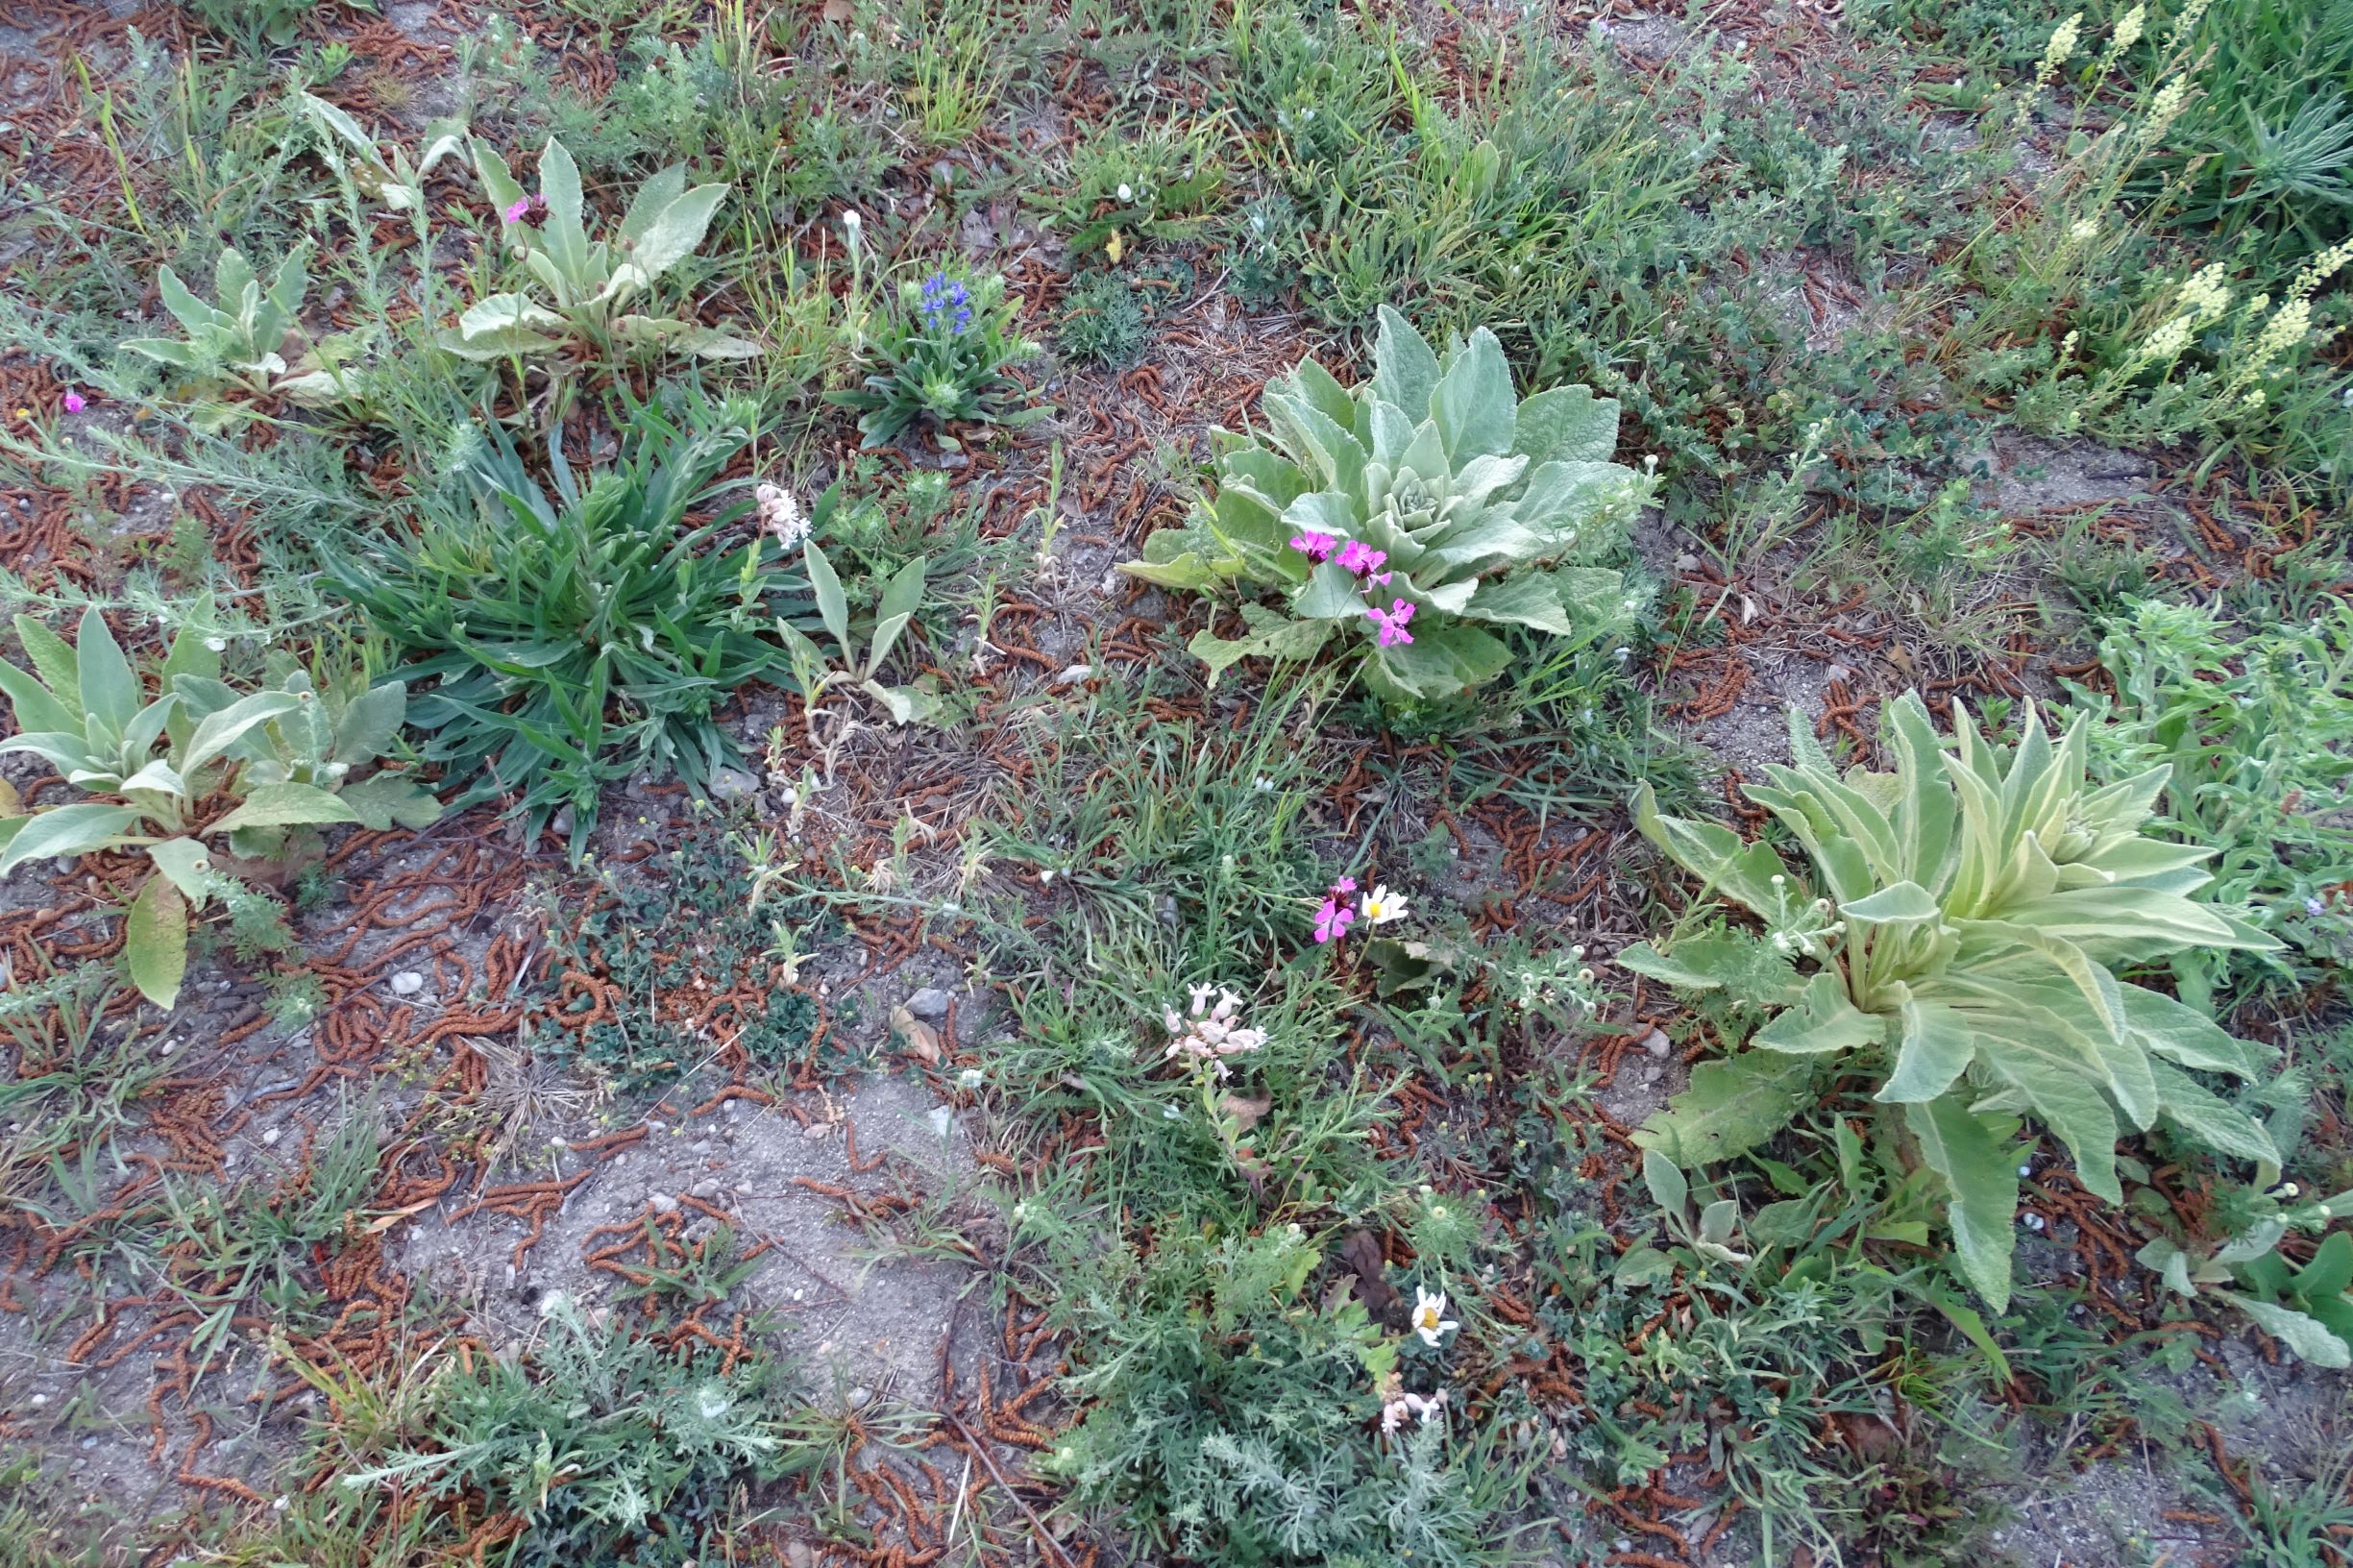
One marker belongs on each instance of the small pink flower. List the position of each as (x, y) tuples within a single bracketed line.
[(1332, 920), (1346, 884), (1392, 623), (1361, 558), (75, 403), (1312, 545), (516, 212)]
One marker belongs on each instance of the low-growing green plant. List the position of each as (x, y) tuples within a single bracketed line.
[(1976, 903), (286, 755), (707, 947), (1158, 186), (1231, 1416), (2308, 1307), (244, 336), (391, 177), (945, 356), (561, 641), (254, 23), (901, 597), (590, 283), (2254, 727), (1102, 322), (609, 1446), (1402, 514)]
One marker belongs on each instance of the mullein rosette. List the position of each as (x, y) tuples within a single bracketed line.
[(1406, 515)]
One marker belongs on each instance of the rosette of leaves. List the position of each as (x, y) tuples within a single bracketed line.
[(1489, 511), (289, 757), (243, 339), (944, 363), (565, 637), (1982, 898), (589, 283)]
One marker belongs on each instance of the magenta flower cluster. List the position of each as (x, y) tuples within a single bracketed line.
[(1390, 624), (1334, 916), (1359, 558)]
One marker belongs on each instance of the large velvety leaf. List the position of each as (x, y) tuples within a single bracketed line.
[(684, 337), (53, 661), (1440, 662), (1474, 404), (2063, 1091), (68, 831), (286, 805), (188, 863), (383, 800), (2188, 1036), (2208, 1119), (110, 691), (1271, 636), (1937, 1045), (365, 728), (156, 942), (1713, 854), (37, 711), (1405, 369), (1186, 572), (1527, 598), (1733, 1105), (1979, 1166), (2306, 1335), (1567, 424), (566, 234), (1823, 1021)]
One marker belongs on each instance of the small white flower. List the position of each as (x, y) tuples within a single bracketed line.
[(781, 515), (1381, 906), (1429, 1319), (1127, 192)]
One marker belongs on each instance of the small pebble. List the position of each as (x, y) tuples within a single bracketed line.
[(407, 983), (815, 1130), (661, 1203), (272, 1136)]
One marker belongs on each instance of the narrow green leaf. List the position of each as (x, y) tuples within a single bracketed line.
[(110, 689), (833, 606)]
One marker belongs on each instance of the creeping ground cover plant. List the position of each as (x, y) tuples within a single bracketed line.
[(1408, 514), (1977, 902)]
